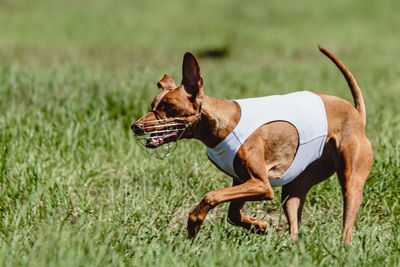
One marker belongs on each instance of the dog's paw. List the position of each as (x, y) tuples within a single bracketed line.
[(260, 227), (194, 225)]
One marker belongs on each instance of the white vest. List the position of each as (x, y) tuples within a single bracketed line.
[(304, 110)]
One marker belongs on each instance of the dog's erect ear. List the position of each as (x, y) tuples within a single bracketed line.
[(191, 78), (166, 83)]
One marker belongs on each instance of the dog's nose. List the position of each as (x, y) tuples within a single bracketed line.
[(137, 128)]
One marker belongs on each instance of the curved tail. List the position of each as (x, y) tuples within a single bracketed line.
[(355, 90)]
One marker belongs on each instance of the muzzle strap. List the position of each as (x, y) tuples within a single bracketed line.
[(190, 124), (157, 115)]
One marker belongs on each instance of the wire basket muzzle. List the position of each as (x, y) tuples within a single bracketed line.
[(159, 138)]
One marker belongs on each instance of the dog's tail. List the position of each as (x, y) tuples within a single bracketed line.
[(355, 90)]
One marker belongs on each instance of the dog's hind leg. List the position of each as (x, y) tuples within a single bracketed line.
[(294, 193), (355, 162)]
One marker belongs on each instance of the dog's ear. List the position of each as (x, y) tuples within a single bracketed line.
[(191, 78), (166, 83)]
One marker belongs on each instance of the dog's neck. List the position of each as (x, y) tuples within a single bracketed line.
[(218, 119)]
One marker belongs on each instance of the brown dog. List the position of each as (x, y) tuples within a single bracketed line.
[(185, 112)]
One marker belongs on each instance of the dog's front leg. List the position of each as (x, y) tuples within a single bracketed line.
[(251, 190), (236, 217)]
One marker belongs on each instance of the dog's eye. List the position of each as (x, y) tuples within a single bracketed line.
[(167, 106), (170, 110)]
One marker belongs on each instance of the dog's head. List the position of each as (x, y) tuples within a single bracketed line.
[(175, 109)]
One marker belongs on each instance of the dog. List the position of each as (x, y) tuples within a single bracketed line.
[(265, 155)]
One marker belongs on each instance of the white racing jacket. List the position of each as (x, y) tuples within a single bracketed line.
[(304, 110)]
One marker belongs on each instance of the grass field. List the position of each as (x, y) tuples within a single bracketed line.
[(77, 190)]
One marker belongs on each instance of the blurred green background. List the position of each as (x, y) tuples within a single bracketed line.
[(75, 188), (116, 32)]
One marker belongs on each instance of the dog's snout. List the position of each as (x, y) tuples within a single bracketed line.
[(137, 128)]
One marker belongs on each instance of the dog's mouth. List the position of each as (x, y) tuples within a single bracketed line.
[(160, 137), (157, 135), (157, 139)]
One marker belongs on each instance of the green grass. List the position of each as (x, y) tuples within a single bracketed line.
[(76, 189)]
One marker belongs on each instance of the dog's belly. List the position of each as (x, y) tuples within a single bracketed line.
[(320, 169)]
